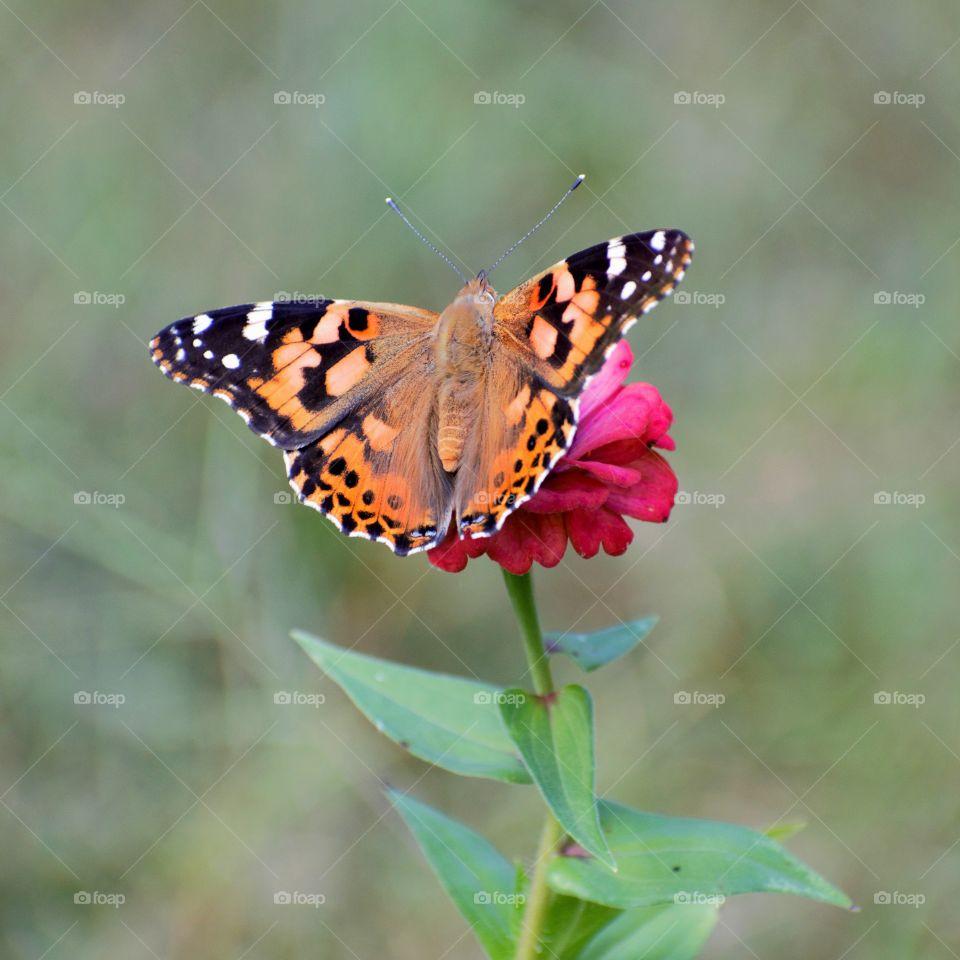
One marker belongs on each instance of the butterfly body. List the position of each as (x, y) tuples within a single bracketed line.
[(397, 422)]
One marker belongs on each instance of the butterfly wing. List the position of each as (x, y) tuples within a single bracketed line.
[(552, 333), (377, 473), (339, 384), (563, 322), (293, 370)]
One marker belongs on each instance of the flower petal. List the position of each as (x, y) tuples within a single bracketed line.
[(607, 381), (627, 416), (608, 472), (589, 529), (567, 491), (652, 498)]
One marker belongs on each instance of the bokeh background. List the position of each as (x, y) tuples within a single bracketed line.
[(813, 367)]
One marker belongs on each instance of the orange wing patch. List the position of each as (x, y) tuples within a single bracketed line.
[(351, 476), (538, 440)]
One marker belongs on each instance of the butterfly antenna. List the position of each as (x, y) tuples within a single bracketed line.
[(391, 203), (503, 256)]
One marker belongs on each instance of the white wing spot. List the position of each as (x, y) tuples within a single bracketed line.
[(658, 240), (627, 290), (616, 255), (256, 325), (201, 322), (646, 277), (181, 354), (231, 361), (197, 342), (208, 354)]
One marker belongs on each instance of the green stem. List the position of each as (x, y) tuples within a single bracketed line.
[(520, 589)]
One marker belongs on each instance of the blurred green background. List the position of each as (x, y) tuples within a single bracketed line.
[(799, 395)]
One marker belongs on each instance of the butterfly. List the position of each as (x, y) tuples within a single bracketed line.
[(396, 421)]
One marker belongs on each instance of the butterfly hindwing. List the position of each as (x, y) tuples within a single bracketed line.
[(377, 474), (535, 429), (564, 321), (291, 370)]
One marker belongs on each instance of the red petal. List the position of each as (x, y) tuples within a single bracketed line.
[(626, 418), (609, 473), (589, 529), (608, 381), (567, 490), (652, 498)]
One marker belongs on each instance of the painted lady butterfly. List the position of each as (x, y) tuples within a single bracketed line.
[(396, 420)]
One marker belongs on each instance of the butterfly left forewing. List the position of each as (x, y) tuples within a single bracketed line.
[(292, 370)]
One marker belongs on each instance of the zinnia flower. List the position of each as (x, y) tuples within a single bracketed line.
[(610, 472)]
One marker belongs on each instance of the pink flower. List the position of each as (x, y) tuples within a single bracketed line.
[(610, 472)]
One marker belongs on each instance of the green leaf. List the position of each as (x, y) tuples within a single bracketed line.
[(448, 721), (666, 932), (663, 859), (569, 924), (554, 735), (593, 650), (476, 877)]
